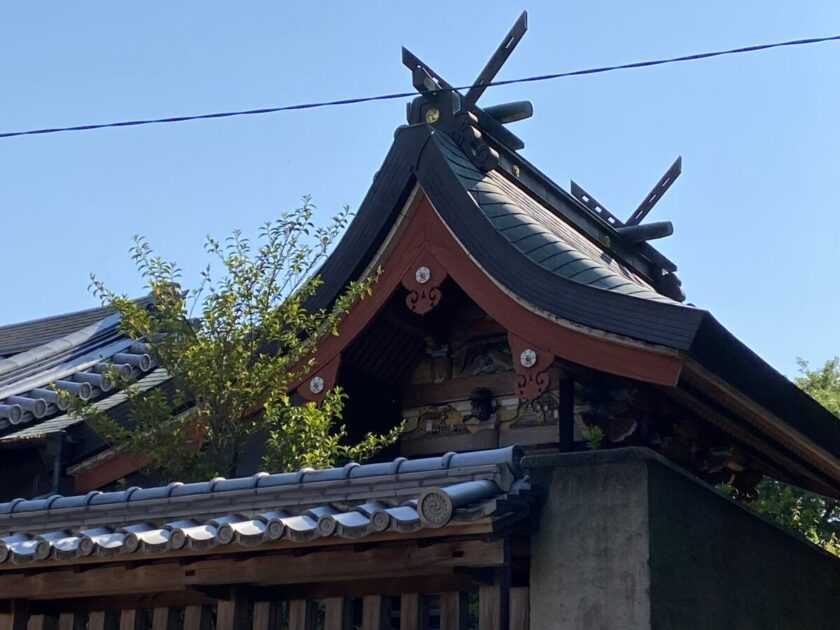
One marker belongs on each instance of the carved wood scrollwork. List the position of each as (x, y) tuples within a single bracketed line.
[(469, 138), (423, 280), (322, 379), (531, 364)]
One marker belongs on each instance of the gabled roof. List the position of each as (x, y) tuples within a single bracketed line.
[(505, 216), (420, 157), (350, 502)]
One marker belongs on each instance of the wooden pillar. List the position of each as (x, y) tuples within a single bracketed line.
[(337, 612), (453, 611), (160, 618), (196, 618), (566, 414), (373, 612), (17, 618), (96, 620), (262, 615), (229, 613), (128, 619), (232, 612), (66, 621), (300, 615), (36, 622), (192, 618), (520, 608), (493, 609), (410, 610), (164, 619), (226, 614), (42, 622)]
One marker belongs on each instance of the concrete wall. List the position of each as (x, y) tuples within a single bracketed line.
[(626, 540), (591, 546)]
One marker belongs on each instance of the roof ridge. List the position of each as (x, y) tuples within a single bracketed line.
[(532, 224), (59, 345), (401, 482), (431, 493), (48, 318), (20, 337)]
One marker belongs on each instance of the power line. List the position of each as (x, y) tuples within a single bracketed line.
[(399, 95)]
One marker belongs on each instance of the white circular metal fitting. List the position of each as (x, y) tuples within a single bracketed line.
[(423, 275), (316, 385), (528, 358)]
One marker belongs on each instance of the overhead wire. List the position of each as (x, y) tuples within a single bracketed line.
[(400, 95)]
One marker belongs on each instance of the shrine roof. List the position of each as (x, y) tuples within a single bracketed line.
[(352, 501), (541, 233), (503, 221)]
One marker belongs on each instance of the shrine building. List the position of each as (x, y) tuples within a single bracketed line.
[(567, 418)]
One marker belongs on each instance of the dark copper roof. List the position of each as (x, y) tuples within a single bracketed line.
[(541, 233)]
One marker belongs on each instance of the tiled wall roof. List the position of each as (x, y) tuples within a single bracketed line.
[(350, 502)]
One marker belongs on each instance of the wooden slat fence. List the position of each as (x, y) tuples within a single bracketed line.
[(492, 608)]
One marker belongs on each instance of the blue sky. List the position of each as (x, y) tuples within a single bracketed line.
[(756, 211)]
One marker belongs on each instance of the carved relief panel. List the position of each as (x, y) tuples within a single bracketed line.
[(469, 394)]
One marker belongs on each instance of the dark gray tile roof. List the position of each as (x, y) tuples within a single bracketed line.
[(78, 362), (350, 502), (62, 421), (541, 234), (20, 337)]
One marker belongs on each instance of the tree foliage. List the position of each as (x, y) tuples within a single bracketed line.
[(814, 516), (232, 347), (822, 384)]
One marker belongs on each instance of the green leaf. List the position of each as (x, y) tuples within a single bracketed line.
[(231, 347)]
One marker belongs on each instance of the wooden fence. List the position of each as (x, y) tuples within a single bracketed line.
[(489, 608)]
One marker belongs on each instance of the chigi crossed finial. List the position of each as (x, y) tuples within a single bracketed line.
[(458, 115), (632, 230)]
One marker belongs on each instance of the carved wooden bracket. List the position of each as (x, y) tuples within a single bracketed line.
[(423, 280), (466, 134), (317, 384), (531, 364)]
